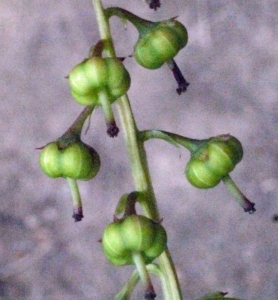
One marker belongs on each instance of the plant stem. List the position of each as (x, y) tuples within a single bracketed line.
[(112, 128), (142, 25), (170, 285), (144, 275), (127, 289), (104, 28), (135, 148), (76, 200), (137, 154), (190, 144), (77, 126), (247, 205), (74, 131), (138, 160)]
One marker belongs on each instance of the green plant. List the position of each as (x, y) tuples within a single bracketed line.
[(95, 75), (78, 161), (214, 160), (132, 234), (158, 43), (101, 80)]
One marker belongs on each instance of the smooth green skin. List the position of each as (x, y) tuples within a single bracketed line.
[(215, 160), (134, 233), (77, 161), (97, 74), (160, 43)]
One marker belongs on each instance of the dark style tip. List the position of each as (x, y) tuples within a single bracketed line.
[(150, 295), (248, 206), (78, 215), (182, 83), (275, 218), (112, 130), (154, 4)]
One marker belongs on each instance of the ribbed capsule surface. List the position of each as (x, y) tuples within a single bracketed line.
[(97, 74), (77, 161), (134, 233), (213, 161), (160, 44)]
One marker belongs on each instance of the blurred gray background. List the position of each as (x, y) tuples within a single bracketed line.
[(231, 62)]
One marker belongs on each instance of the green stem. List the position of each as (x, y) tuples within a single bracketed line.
[(127, 289), (156, 270), (104, 28), (76, 200), (247, 205), (138, 160), (132, 198), (144, 275), (171, 287), (96, 50), (141, 25), (190, 144), (74, 132), (112, 128)]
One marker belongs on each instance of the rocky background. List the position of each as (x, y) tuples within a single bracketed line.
[(231, 63)]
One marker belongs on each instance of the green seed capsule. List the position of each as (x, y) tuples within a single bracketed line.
[(213, 161), (96, 75), (77, 161), (134, 233), (160, 43)]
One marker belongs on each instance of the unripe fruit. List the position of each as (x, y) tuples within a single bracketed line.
[(134, 233), (97, 74), (77, 161), (213, 161), (160, 43)]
